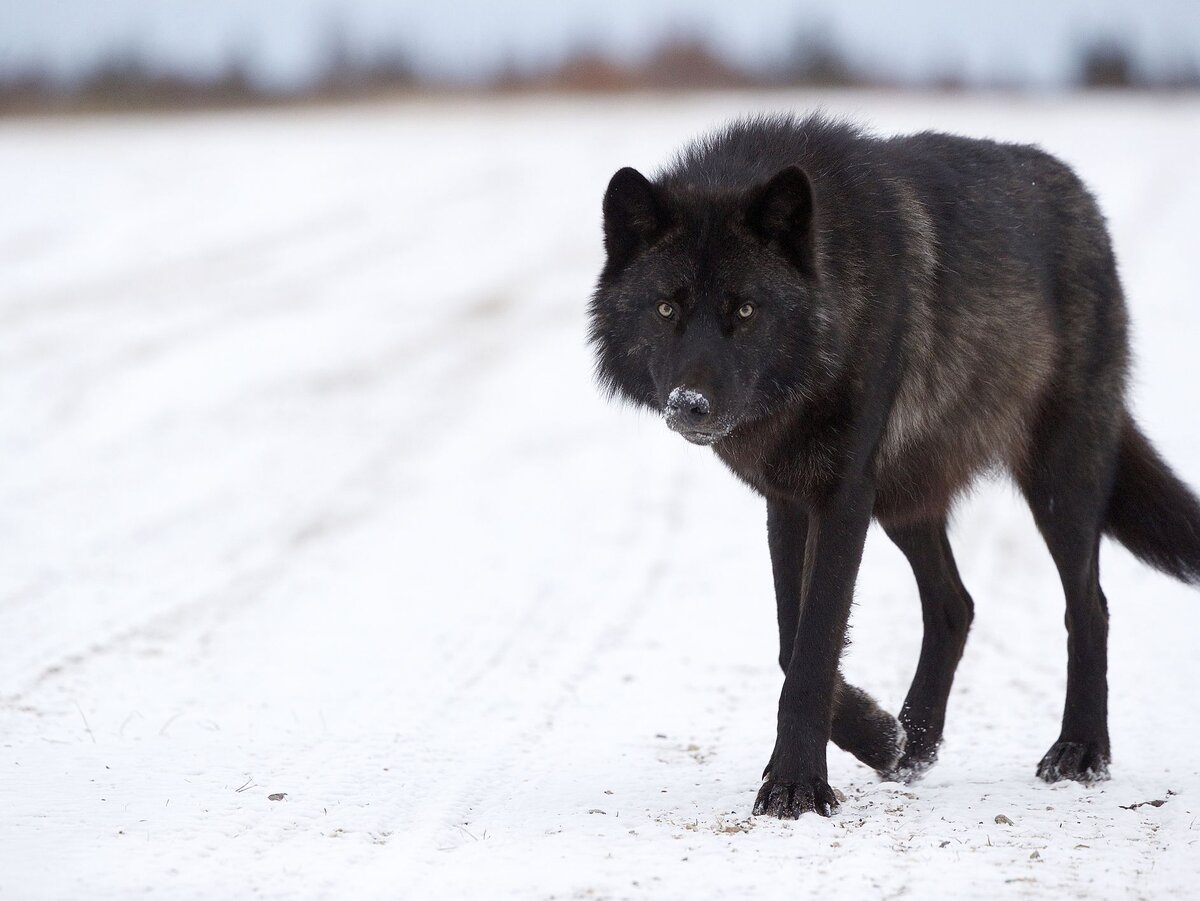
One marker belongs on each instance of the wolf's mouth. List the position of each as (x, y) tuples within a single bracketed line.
[(703, 437)]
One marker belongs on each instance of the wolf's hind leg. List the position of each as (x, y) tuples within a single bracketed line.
[(1068, 485), (946, 612), (860, 726)]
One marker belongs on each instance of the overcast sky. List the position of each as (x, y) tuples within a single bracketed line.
[(285, 40)]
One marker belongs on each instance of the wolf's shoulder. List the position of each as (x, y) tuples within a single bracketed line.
[(751, 149)]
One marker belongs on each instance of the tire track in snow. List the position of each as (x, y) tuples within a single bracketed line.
[(482, 340), (440, 818)]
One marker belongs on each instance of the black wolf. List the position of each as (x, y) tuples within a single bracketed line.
[(859, 327)]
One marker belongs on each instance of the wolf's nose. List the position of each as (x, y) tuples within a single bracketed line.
[(689, 406)]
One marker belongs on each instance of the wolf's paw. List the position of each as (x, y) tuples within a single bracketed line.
[(918, 757), (1085, 762), (885, 749), (864, 729), (911, 767), (787, 800)]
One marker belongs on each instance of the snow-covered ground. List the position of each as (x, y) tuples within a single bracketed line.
[(306, 493)]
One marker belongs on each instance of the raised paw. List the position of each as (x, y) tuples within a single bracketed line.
[(1085, 762), (787, 800), (918, 757), (909, 770), (864, 729)]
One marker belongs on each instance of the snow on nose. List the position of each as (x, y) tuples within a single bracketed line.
[(688, 406)]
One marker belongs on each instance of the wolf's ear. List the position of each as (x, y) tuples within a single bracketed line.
[(634, 214), (782, 211)]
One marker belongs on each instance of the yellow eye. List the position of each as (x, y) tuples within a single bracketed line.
[(665, 310), (746, 310)]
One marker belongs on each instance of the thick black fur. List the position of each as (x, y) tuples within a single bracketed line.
[(859, 327)]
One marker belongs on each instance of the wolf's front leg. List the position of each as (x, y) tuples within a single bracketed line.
[(860, 726), (797, 781)]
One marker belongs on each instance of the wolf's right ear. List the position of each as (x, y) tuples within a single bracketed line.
[(634, 214)]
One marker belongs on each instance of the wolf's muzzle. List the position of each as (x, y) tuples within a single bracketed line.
[(690, 413)]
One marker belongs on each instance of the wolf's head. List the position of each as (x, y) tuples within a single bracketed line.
[(709, 308)]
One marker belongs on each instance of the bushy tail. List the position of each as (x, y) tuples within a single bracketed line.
[(1152, 512)]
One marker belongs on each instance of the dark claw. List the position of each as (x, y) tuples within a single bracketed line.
[(1085, 762), (787, 800)]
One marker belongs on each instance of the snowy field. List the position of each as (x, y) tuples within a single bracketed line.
[(325, 572)]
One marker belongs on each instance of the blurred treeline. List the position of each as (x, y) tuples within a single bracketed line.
[(126, 82)]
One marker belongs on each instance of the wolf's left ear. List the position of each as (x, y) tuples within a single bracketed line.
[(634, 214), (782, 211)]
